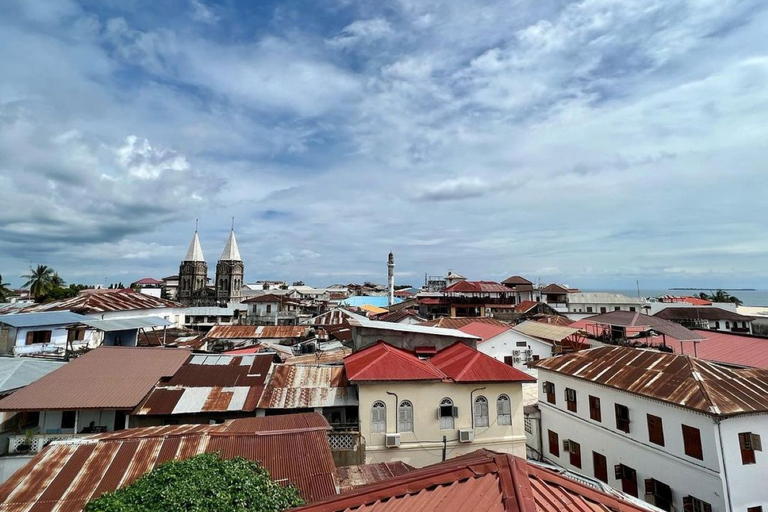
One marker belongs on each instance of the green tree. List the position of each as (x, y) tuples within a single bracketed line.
[(721, 296), (4, 290), (204, 483), (39, 280)]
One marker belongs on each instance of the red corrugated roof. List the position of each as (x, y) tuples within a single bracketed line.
[(458, 323), (68, 474), (477, 287), (383, 362), (482, 481), (256, 331), (465, 364), (352, 477), (516, 280), (484, 331), (728, 348), (104, 378), (525, 306)]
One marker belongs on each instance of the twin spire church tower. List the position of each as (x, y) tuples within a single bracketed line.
[(193, 275)]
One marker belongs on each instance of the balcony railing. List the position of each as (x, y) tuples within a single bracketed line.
[(38, 441)]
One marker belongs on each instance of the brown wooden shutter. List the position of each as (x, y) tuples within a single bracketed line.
[(601, 466), (554, 443), (655, 430), (594, 408), (692, 442)]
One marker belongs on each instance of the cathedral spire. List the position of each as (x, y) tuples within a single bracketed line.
[(195, 251), (231, 252)]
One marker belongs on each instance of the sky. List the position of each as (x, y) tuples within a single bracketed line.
[(587, 142)]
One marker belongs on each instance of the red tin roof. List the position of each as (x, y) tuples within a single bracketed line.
[(352, 477), (465, 364), (104, 378), (728, 348), (482, 481), (383, 362), (483, 330), (477, 287), (68, 474), (516, 280)]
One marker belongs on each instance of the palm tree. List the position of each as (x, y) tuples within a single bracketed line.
[(39, 280), (57, 281), (721, 296), (4, 290)]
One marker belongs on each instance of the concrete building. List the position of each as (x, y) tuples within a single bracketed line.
[(599, 303), (683, 433), (412, 407), (708, 317)]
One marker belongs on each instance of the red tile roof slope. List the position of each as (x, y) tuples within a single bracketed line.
[(68, 474), (484, 331), (728, 348), (383, 362), (104, 301), (525, 306), (104, 378), (681, 380), (482, 481), (477, 287), (210, 383), (465, 364)]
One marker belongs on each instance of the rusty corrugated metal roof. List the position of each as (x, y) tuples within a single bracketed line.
[(352, 477), (68, 474), (102, 301), (329, 357), (210, 383), (256, 331), (549, 332), (680, 380), (458, 323), (299, 387), (481, 481), (104, 378)]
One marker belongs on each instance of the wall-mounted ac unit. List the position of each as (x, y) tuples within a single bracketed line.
[(466, 435), (515, 353), (392, 440)]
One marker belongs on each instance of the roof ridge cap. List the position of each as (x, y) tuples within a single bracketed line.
[(693, 365)]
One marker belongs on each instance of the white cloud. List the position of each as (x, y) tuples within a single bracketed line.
[(361, 32)]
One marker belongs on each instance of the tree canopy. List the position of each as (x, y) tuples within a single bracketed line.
[(40, 280), (204, 483), (4, 290), (720, 296)]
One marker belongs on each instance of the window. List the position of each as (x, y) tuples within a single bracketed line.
[(589, 309), (509, 360), (570, 399), (594, 408), (549, 389), (632, 308), (717, 325), (655, 430), (446, 413), (601, 466), (603, 310), (622, 418), (617, 308), (503, 410), (727, 325), (269, 308), (405, 417), (76, 335), (691, 504), (521, 344), (658, 493), (378, 417), (628, 477), (574, 449), (692, 442), (68, 419), (749, 443), (554, 440), (755, 509), (38, 337), (481, 412)]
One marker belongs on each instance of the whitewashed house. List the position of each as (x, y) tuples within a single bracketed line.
[(44, 333), (680, 432), (600, 303)]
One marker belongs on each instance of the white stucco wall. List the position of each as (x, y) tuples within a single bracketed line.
[(506, 343), (747, 483), (50, 421), (424, 445), (669, 463)]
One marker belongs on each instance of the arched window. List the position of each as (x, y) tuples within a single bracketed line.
[(405, 416), (503, 410), (481, 411), (378, 417), (446, 413)]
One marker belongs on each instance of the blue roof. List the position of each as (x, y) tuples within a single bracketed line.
[(378, 301), (41, 319), (17, 372)]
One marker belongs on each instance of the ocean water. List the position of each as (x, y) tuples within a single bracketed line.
[(749, 298)]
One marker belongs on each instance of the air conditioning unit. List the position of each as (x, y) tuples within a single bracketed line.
[(515, 353), (567, 445), (529, 352), (392, 440), (466, 435)]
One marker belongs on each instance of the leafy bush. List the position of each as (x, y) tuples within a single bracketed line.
[(204, 483)]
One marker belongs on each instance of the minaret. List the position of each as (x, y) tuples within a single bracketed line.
[(193, 271), (391, 278), (229, 271)]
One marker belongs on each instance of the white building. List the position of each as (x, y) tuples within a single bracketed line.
[(708, 317), (599, 303), (415, 405), (680, 432)]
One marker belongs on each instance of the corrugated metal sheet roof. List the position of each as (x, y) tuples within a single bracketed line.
[(124, 324), (299, 387), (210, 383), (67, 474), (383, 362), (465, 364), (361, 321), (458, 323), (477, 287), (104, 378), (640, 321), (352, 477), (548, 332), (516, 280), (703, 313), (17, 372), (40, 319), (680, 380), (482, 481), (329, 357), (727, 348), (102, 301), (484, 331), (256, 331), (602, 298)]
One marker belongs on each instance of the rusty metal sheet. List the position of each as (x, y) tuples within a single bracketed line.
[(298, 387)]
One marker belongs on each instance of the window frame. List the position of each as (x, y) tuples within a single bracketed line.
[(554, 443), (622, 420), (570, 400), (749, 443), (549, 391), (68, 419), (603, 474), (655, 429), (447, 422), (595, 412), (502, 417), (405, 407), (484, 419), (692, 442), (575, 454), (378, 425)]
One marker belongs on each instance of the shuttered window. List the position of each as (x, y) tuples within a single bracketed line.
[(692, 442), (622, 418), (594, 408), (570, 399), (503, 410), (575, 454), (481, 412), (601, 466), (691, 504), (554, 443), (379, 417), (749, 443), (655, 430), (38, 337), (405, 416)]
